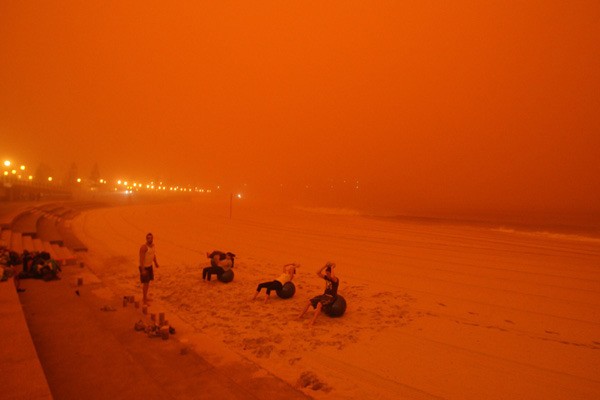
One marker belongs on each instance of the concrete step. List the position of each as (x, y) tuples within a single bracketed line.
[(16, 242), (66, 256), (5, 237), (28, 243), (37, 245), (63, 255), (69, 239), (26, 222), (49, 249), (58, 256), (9, 211), (47, 230)]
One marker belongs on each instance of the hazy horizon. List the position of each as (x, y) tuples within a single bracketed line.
[(399, 108)]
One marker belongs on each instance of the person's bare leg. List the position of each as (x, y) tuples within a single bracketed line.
[(267, 298), (317, 312), (255, 295), (304, 311), (145, 293)]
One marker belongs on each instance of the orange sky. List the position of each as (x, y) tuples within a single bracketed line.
[(432, 107)]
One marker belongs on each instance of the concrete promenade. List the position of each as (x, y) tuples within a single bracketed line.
[(21, 374)]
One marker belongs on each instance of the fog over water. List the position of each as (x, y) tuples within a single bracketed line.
[(466, 109)]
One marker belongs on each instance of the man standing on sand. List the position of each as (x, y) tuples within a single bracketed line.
[(147, 260)]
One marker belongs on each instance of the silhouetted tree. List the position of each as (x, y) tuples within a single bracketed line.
[(72, 174), (42, 172), (95, 176)]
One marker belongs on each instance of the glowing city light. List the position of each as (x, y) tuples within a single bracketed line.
[(15, 171)]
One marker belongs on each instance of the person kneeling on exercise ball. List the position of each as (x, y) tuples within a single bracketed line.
[(219, 263)]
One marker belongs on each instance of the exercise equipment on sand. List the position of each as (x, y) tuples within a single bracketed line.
[(337, 308), (287, 290), (226, 276)]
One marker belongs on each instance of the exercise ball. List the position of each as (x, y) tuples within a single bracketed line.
[(338, 308), (226, 276), (287, 291)]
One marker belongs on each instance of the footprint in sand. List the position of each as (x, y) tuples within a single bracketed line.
[(278, 339), (552, 332), (380, 294), (294, 360), (310, 380), (497, 327)]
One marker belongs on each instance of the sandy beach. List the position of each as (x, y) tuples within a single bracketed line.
[(443, 154), (434, 310)]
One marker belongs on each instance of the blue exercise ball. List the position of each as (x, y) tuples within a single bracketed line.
[(226, 276), (338, 308), (287, 291)]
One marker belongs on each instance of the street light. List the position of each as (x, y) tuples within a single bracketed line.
[(239, 196)]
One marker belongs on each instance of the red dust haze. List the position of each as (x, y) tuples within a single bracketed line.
[(407, 107)]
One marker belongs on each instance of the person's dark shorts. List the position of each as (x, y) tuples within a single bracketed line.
[(146, 274), (324, 299)]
